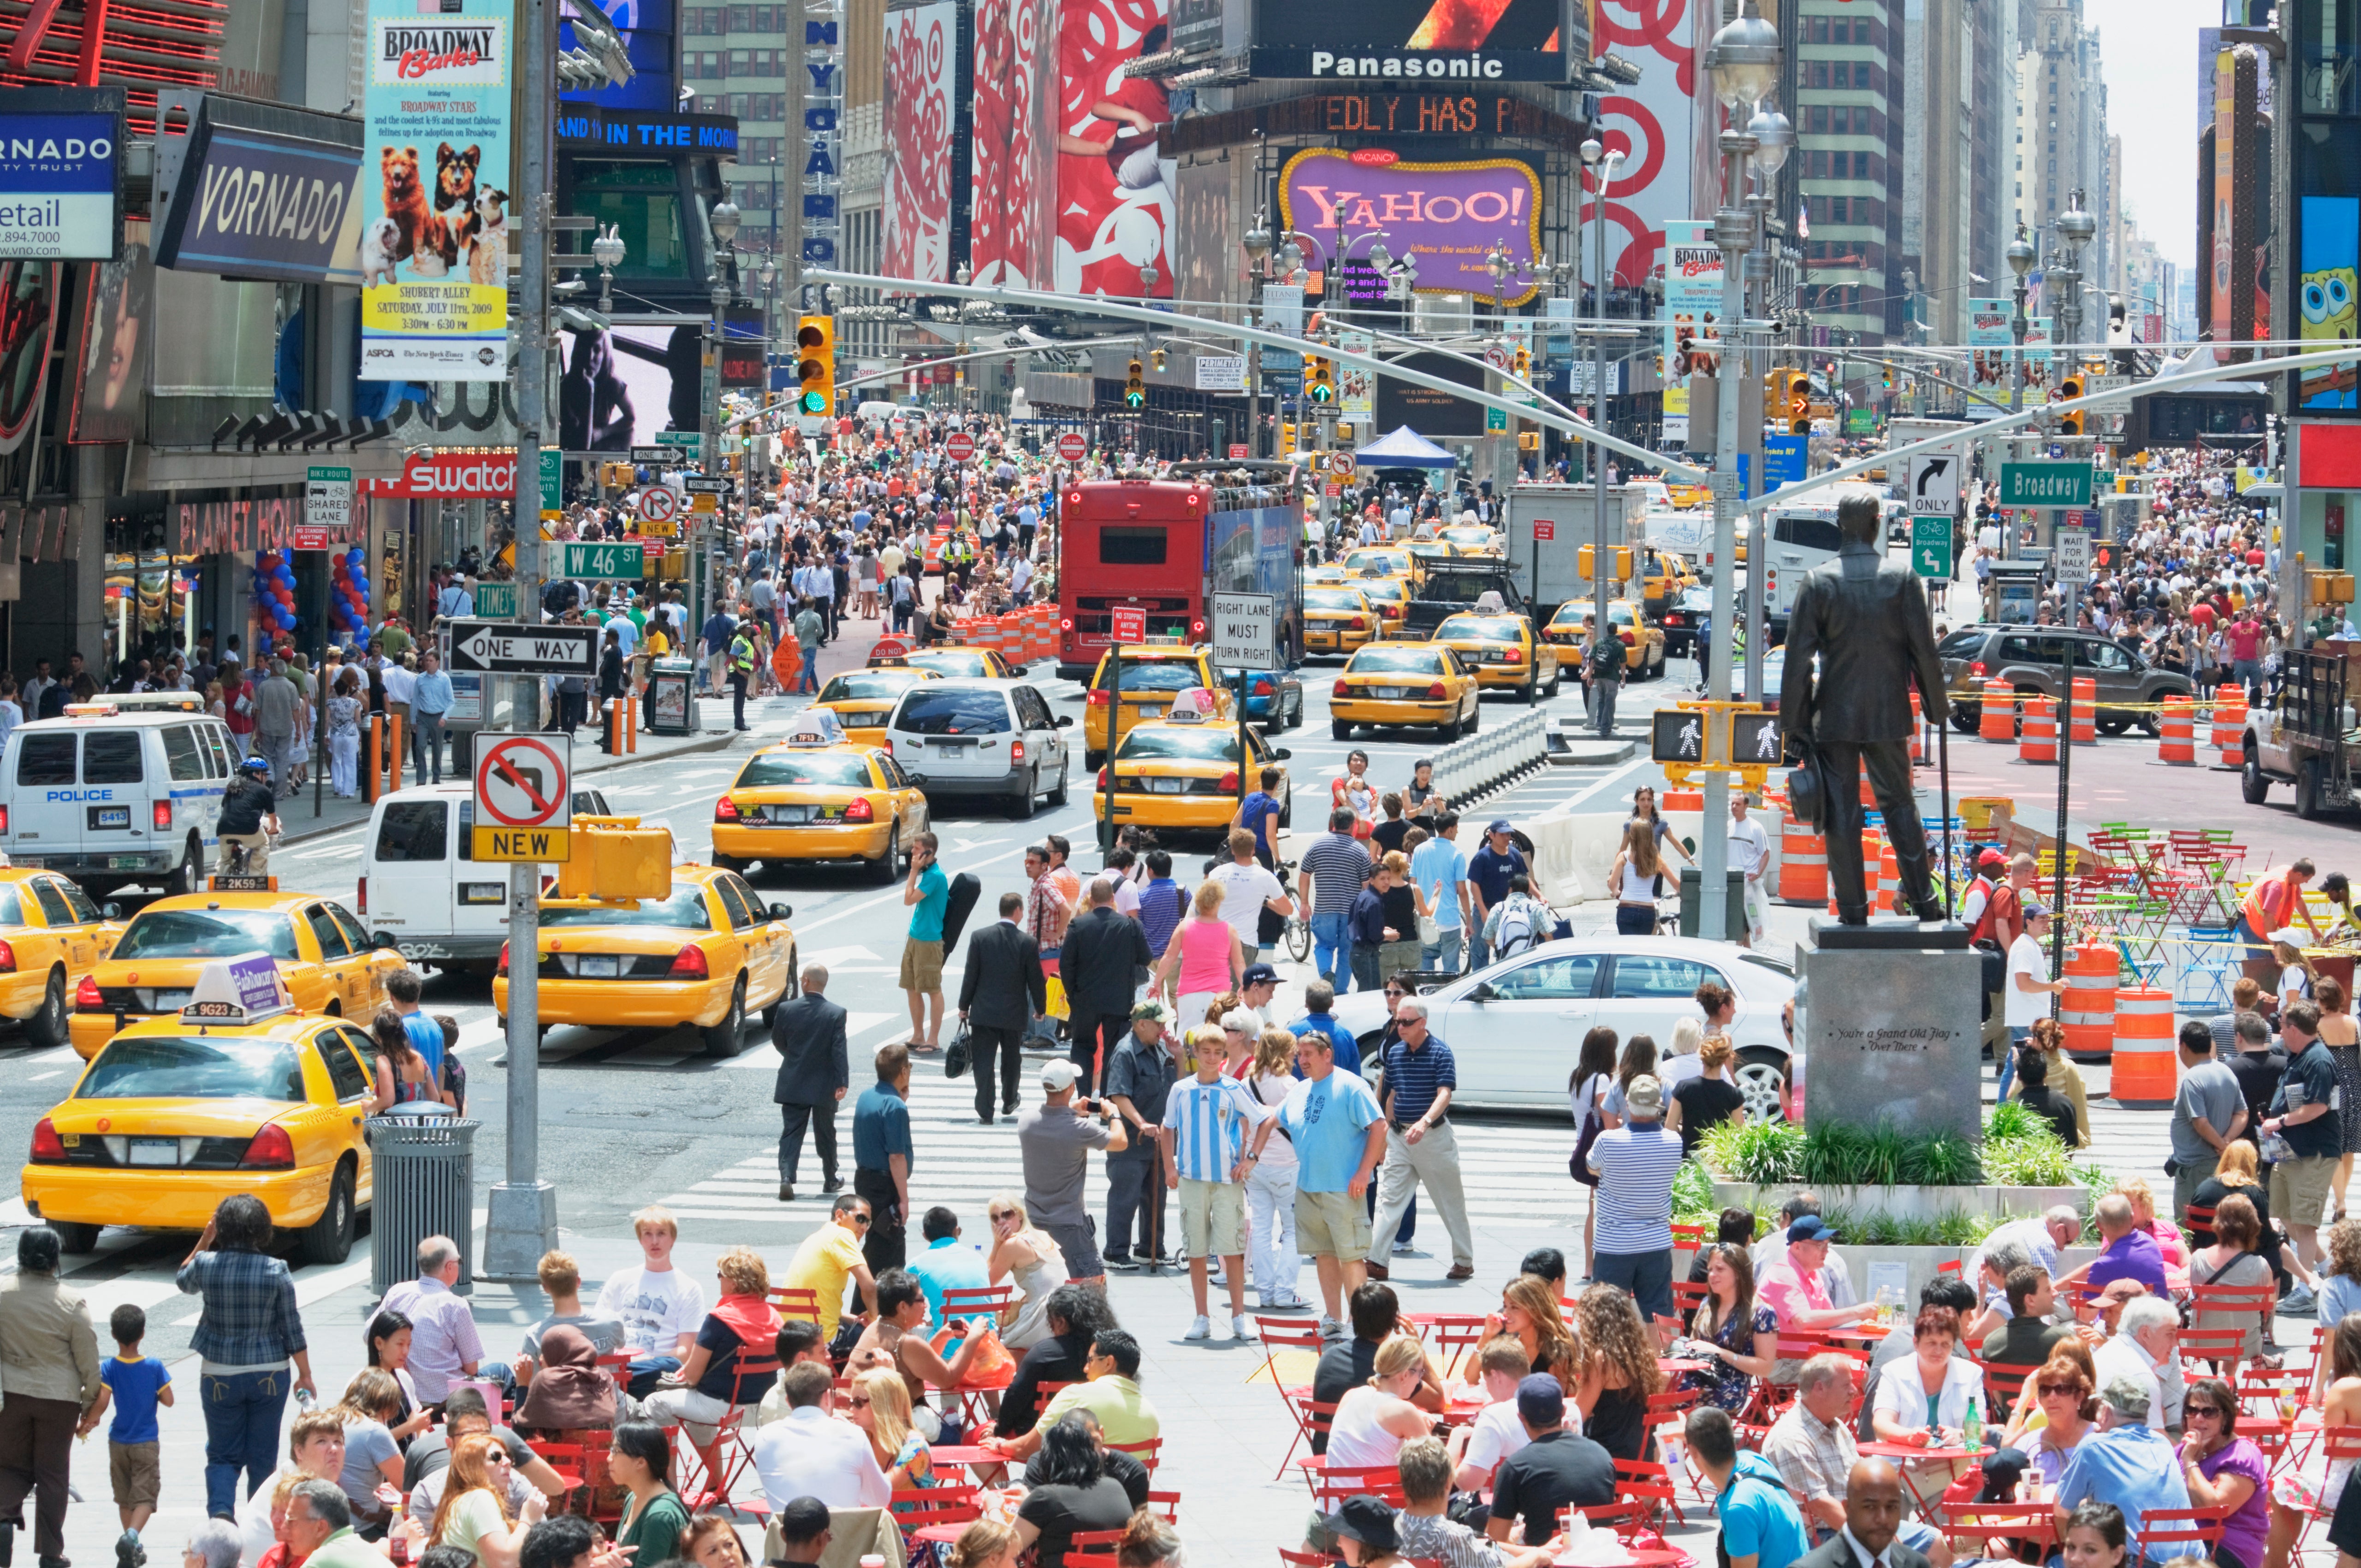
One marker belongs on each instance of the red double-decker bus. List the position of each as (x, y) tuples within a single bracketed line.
[(1166, 546)]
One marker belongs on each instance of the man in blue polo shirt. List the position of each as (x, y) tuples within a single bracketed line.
[(947, 1263), (1489, 870), (2126, 1461), (1761, 1526), (1421, 1149), (881, 1157)]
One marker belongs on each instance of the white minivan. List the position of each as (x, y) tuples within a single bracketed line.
[(116, 795), (975, 736), (421, 886)]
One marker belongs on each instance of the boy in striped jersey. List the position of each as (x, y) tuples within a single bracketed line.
[(1205, 1121)]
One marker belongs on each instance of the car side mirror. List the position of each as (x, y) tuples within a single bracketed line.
[(781, 912), (1281, 753), (111, 911), (1065, 721), (1482, 992), (384, 940)]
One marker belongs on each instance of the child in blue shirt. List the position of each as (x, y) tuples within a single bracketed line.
[(1318, 998), (135, 1385)]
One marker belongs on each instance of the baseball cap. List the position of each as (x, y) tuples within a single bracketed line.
[(1057, 1075), (1806, 1228), (1991, 858), (1368, 1520), (1646, 1097), (1261, 974), (1541, 1399), (1500, 825), (1243, 1020), (2035, 910), (1153, 1012)]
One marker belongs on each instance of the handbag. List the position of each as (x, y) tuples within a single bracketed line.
[(960, 1052), (1056, 1007)]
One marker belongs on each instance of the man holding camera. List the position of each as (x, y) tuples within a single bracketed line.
[(1056, 1138)]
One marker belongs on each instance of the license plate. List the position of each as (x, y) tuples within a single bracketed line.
[(1148, 712), (154, 1151), (126, 863), (27, 862), (110, 817), (953, 748), (166, 1001), (1393, 693), (788, 813), (1166, 786), (483, 893), (599, 966)]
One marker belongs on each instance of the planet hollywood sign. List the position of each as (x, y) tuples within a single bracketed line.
[(1448, 215), (241, 527)]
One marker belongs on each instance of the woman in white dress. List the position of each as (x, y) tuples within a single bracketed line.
[(1026, 1254)]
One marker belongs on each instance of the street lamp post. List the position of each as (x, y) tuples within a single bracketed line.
[(1602, 164), (1774, 137), (1744, 59), (722, 223)]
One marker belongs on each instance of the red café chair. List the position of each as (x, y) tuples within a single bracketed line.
[(2218, 1348), (1623, 1516), (1329, 1492), (1167, 1506), (2191, 1532), (1289, 1333), (914, 1508), (2003, 1385), (1289, 1558), (1951, 1266), (730, 1458), (1650, 1484), (796, 1301), (1688, 1298), (2337, 1443), (977, 1301), (1986, 1529), (2259, 1301), (1146, 1453), (1453, 1333), (616, 1365), (1094, 1548)]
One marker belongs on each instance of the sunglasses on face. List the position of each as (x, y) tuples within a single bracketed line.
[(1392, 991), (2070, 1389), (2200, 1410), (862, 1220), (860, 1402)]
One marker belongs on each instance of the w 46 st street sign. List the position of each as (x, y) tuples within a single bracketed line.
[(623, 563)]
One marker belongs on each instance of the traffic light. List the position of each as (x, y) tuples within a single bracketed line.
[(1621, 563), (2071, 422), (1660, 367), (1797, 402), (617, 475), (1286, 440), (1885, 376), (814, 365), (1156, 358), (1529, 441), (1521, 362), (1320, 380), (1135, 390)]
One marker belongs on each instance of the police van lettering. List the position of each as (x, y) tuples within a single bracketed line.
[(73, 794)]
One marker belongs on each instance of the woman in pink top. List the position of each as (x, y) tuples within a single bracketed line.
[(1205, 954)]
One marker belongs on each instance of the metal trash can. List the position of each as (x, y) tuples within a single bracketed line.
[(672, 697), (1692, 884), (424, 1177)]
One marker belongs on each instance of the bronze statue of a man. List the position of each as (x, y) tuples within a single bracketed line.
[(1865, 617)]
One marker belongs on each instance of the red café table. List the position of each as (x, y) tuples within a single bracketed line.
[(967, 1453), (1624, 1557), (1900, 1451)]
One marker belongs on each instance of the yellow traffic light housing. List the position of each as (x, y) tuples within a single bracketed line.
[(1618, 561), (814, 365), (1529, 441), (2071, 422), (1521, 362), (1798, 402), (1156, 358), (1320, 382), (1135, 388), (1286, 440)]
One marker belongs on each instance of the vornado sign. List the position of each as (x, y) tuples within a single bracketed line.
[(259, 191), (452, 476)]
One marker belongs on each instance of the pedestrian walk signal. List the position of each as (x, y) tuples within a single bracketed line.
[(1135, 388), (814, 365), (2071, 422), (1320, 380)]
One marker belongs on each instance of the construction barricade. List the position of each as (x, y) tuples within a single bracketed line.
[(2039, 740), (2088, 1008), (2176, 738), (2144, 1074)]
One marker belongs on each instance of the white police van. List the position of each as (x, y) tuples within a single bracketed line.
[(421, 886), (118, 792)]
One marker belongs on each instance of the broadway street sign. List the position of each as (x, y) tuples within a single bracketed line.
[(2045, 484), (494, 647)]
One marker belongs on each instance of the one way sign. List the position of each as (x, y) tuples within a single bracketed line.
[(1935, 484), (501, 647)]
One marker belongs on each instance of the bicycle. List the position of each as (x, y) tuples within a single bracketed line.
[(1298, 937)]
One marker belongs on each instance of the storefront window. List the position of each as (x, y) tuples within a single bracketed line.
[(642, 201)]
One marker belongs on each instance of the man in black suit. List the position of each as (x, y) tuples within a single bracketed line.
[(1103, 950), (813, 1077), (1002, 991), (1873, 1517)]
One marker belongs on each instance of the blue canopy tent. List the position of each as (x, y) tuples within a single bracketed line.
[(1405, 448)]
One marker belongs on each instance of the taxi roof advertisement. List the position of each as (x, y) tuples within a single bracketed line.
[(62, 174), (434, 214)]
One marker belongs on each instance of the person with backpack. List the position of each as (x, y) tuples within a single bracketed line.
[(1605, 661), (1520, 922), (1489, 870)]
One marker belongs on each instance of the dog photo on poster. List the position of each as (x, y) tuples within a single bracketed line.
[(434, 223)]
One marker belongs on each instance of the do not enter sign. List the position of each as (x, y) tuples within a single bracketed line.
[(524, 794), (959, 446), (1073, 447)]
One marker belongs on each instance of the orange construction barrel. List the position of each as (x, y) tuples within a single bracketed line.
[(1917, 728), (2088, 1008), (1872, 873), (1889, 879), (2039, 742), (2143, 1075), (1682, 800), (2230, 724), (2086, 711), (2177, 742), (1803, 865), (2000, 712)]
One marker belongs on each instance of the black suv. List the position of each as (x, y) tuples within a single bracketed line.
[(2032, 659)]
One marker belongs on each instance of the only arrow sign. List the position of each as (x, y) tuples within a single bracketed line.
[(494, 647), (1935, 468)]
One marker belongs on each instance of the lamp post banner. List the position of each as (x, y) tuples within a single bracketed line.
[(433, 246), (1447, 215)]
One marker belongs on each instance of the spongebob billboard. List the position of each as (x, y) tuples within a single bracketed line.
[(2328, 297)]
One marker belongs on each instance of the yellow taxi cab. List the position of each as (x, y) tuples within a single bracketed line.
[(324, 955), (51, 935), (1667, 576), (1397, 685), (815, 797), (1424, 552), (984, 661), (1644, 641), (1500, 648), (1152, 677), (238, 1090), (1328, 572), (1181, 772), (1337, 619), (1475, 533), (1385, 560), (862, 699), (706, 955), (1390, 597)]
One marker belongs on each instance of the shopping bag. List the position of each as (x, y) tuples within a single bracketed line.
[(1057, 1007)]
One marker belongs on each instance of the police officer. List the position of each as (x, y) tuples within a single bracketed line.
[(742, 670)]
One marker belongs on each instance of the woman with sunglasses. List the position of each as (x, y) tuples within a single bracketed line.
[(2056, 1409), (2225, 1471), (881, 1407), (1024, 1253)]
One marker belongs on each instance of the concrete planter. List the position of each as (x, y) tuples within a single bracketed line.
[(1907, 1202)]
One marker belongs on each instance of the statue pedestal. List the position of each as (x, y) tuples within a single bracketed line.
[(1889, 1017)]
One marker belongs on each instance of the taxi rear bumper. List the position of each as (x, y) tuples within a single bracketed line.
[(1388, 710), (171, 1199), (802, 840), (1187, 813), (624, 1004)]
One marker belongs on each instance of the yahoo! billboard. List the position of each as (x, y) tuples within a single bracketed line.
[(1447, 215)]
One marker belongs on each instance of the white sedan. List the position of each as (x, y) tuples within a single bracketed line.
[(1515, 1029)]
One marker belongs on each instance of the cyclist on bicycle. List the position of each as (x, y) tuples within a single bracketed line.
[(247, 819)]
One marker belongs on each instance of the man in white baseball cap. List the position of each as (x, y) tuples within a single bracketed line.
[(1055, 1138)]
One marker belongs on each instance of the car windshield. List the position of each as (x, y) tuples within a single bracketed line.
[(684, 910), (1402, 660), (952, 663), (1335, 599), (1154, 676), (1393, 590), (872, 685), (1619, 615), (1773, 965), (1469, 535), (959, 711), (1190, 745), (1478, 629), (194, 1067), (1459, 588), (208, 934), (843, 770), (1363, 560)]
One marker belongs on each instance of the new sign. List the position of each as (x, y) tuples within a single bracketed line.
[(60, 174)]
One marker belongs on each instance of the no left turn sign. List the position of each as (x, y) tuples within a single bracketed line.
[(525, 781)]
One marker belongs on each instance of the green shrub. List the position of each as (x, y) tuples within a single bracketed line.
[(1692, 1195), (1766, 1153)]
